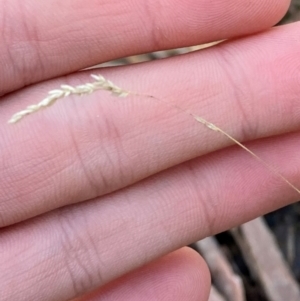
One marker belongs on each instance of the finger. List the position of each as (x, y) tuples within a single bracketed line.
[(181, 275), (82, 247), (83, 148), (43, 39)]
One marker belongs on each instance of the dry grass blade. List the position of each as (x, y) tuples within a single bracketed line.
[(101, 83), (270, 167)]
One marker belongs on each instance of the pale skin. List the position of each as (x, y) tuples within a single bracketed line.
[(140, 178)]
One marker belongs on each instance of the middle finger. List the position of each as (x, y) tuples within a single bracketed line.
[(88, 147)]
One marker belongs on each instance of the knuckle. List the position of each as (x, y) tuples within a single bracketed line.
[(80, 252), (104, 166), (21, 48), (209, 203), (240, 94), (152, 12)]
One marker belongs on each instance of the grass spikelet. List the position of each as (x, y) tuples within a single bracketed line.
[(101, 83)]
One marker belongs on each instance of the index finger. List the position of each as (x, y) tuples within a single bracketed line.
[(42, 40)]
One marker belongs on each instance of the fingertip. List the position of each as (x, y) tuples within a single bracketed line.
[(273, 11), (181, 275)]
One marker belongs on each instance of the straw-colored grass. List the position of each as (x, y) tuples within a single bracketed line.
[(101, 83)]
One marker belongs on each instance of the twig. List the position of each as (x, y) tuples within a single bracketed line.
[(265, 261), (228, 283)]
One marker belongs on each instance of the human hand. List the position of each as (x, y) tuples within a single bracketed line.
[(90, 189)]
